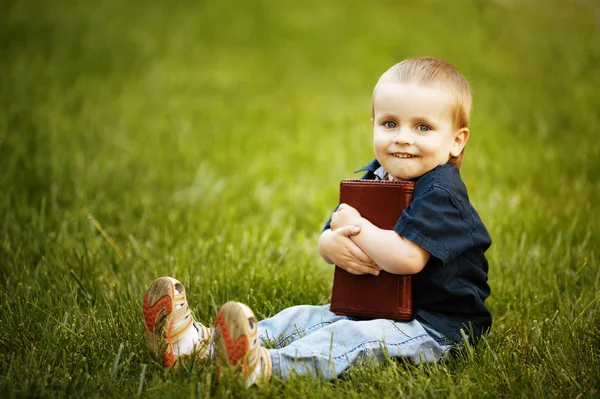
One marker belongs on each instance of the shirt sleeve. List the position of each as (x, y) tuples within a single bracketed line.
[(434, 222)]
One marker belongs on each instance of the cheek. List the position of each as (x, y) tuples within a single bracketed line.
[(379, 142), (432, 146)]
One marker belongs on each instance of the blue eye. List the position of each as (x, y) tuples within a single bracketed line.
[(389, 124), (423, 128)]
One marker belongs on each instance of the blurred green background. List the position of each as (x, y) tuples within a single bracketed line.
[(207, 140)]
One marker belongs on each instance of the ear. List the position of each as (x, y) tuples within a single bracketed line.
[(460, 140)]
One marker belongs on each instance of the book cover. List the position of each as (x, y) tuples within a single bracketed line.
[(387, 296)]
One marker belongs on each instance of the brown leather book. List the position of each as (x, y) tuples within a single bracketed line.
[(387, 296)]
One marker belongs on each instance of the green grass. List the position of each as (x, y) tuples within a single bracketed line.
[(208, 138)]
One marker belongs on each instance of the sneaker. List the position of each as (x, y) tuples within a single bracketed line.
[(237, 346), (172, 332)]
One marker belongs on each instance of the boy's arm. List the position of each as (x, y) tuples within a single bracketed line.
[(392, 252), (388, 249)]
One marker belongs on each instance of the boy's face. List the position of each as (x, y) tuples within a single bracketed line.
[(413, 129)]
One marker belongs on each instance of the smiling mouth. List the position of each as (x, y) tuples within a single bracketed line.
[(398, 155)]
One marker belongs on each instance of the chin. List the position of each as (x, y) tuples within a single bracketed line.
[(402, 176)]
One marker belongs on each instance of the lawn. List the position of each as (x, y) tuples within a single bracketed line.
[(206, 140)]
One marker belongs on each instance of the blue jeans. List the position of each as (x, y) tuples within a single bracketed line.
[(311, 340)]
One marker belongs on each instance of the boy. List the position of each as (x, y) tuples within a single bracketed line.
[(420, 115)]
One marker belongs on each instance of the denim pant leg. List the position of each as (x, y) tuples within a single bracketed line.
[(328, 350), (294, 323)]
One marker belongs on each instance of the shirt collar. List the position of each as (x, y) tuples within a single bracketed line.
[(375, 167), (381, 173), (371, 167)]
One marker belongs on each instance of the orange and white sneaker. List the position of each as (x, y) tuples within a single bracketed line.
[(237, 346), (172, 332)]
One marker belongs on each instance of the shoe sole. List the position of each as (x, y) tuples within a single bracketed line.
[(158, 303), (234, 334)]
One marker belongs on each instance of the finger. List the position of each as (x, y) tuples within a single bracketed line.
[(368, 267), (361, 256), (336, 221), (348, 230), (359, 268), (356, 253), (353, 271), (342, 207), (333, 222), (352, 268), (348, 207)]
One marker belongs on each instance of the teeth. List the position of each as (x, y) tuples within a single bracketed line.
[(403, 156)]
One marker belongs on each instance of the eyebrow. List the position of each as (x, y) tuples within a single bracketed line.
[(428, 121), (385, 116), (424, 119)]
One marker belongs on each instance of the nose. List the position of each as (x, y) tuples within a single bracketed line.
[(403, 137)]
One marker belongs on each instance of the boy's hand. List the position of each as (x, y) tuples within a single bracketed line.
[(337, 246), (345, 215)]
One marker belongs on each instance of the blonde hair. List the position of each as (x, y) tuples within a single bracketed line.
[(430, 71)]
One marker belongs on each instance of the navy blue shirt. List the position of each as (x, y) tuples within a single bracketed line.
[(449, 293)]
